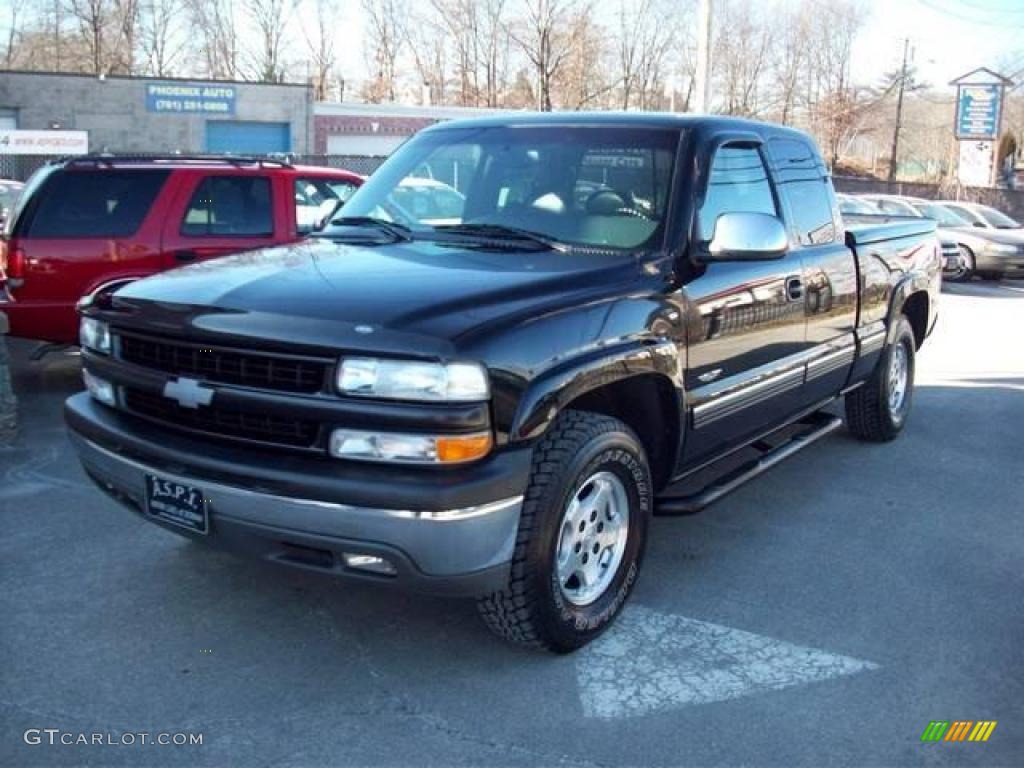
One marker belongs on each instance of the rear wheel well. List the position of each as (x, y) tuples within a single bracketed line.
[(916, 310), (647, 403)]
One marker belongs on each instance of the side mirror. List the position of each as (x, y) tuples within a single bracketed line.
[(744, 236), (979, 224)]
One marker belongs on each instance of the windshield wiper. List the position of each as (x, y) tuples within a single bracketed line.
[(399, 232), (501, 232)]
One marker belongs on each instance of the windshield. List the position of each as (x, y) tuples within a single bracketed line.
[(852, 205), (576, 185), (942, 215), (996, 218)]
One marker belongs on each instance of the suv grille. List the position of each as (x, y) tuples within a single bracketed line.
[(224, 366), (223, 422)]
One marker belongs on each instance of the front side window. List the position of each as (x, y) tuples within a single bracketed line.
[(226, 206), (94, 203), (738, 184), (603, 186)]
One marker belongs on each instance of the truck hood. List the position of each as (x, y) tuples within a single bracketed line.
[(325, 293)]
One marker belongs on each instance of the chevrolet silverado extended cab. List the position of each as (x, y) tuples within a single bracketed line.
[(624, 315)]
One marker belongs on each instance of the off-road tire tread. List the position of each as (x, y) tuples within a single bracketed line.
[(511, 612)]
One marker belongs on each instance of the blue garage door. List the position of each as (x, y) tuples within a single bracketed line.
[(242, 137)]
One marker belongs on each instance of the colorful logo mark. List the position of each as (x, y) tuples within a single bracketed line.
[(958, 730)]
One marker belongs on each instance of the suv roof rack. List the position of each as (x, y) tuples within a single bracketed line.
[(105, 158)]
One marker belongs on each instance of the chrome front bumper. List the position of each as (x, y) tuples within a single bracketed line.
[(454, 551)]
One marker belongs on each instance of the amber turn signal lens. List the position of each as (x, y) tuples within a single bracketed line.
[(463, 447)]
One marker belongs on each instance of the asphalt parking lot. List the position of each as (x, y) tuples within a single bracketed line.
[(824, 614)]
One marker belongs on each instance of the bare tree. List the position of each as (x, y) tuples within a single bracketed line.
[(646, 35), (385, 38), (585, 81), (318, 30), (94, 20), (269, 19), (544, 37), (428, 36), (160, 35), (214, 22), (16, 20), (740, 50)]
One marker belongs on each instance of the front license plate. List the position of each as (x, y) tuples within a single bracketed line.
[(177, 504)]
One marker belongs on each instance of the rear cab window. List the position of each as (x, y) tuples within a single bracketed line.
[(74, 204), (230, 206), (804, 190)]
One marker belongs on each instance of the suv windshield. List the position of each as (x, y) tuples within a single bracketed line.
[(591, 186)]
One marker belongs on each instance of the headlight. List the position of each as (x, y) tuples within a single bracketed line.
[(410, 380), (408, 448), (95, 335), (1001, 248)]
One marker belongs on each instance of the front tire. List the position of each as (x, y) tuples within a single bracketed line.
[(581, 535), (966, 272), (877, 411)]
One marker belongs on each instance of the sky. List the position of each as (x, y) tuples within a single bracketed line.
[(948, 38)]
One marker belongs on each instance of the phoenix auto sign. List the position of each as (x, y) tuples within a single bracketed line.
[(190, 98)]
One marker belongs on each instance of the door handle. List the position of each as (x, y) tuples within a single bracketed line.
[(186, 255), (794, 289)]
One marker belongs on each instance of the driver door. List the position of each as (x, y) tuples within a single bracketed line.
[(747, 331)]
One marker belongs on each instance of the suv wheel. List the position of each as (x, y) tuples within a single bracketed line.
[(581, 535), (878, 409)]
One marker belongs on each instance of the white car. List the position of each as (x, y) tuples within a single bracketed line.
[(982, 216)]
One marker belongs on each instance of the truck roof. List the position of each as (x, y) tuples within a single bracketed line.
[(671, 120)]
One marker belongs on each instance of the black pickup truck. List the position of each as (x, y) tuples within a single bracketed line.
[(489, 394)]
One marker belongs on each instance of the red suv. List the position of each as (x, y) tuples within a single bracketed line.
[(94, 223)]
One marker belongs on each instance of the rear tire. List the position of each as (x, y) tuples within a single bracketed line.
[(877, 411), (584, 522)]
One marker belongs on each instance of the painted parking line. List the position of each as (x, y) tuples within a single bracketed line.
[(651, 661)]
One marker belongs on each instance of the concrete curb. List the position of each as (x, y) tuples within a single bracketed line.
[(8, 405)]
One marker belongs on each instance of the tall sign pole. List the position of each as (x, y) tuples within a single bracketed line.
[(703, 73), (979, 114)]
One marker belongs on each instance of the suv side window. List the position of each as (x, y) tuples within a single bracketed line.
[(738, 183), (225, 206), (93, 203)]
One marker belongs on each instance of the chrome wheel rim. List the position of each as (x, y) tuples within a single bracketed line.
[(899, 373), (592, 538)]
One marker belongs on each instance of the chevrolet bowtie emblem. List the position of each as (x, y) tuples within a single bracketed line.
[(188, 392)]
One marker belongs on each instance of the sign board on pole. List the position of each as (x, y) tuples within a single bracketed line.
[(191, 98), (14, 142), (977, 111), (975, 168)]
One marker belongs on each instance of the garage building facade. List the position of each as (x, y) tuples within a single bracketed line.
[(154, 115)]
